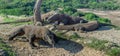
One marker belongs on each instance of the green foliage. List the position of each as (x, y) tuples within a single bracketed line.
[(114, 52), (7, 19), (20, 7), (6, 48), (74, 36), (25, 23), (16, 7), (91, 16), (88, 16), (110, 49), (69, 10), (97, 44)]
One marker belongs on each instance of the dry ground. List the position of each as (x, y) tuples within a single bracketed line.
[(62, 48), (105, 33), (69, 48)]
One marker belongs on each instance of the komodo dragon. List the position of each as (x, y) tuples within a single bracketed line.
[(33, 33), (43, 17), (65, 19), (90, 26)]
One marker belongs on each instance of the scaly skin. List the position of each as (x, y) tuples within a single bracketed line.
[(65, 19), (33, 33), (90, 26)]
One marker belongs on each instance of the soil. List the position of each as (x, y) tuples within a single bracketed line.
[(62, 48), (105, 33)]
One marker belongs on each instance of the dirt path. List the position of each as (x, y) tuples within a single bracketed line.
[(114, 16), (62, 48)]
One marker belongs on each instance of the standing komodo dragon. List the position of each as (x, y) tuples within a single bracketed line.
[(33, 33), (90, 26)]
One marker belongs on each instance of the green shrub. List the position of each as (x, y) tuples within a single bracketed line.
[(6, 48), (7, 19), (97, 44), (104, 20), (91, 16), (114, 52), (111, 49), (74, 36), (26, 6), (68, 10)]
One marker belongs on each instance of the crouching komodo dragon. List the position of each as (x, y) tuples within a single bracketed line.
[(90, 26), (34, 33), (65, 19)]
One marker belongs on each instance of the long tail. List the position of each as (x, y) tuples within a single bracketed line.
[(19, 21)]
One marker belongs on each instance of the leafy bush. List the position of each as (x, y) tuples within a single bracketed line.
[(15, 7), (91, 16), (20, 7)]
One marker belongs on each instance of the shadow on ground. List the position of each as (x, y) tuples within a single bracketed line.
[(103, 28), (68, 45)]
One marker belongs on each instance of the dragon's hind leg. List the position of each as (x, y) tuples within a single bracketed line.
[(31, 41)]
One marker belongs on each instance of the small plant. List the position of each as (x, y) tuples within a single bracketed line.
[(116, 27), (97, 44), (109, 48), (91, 16), (74, 36), (114, 52), (7, 19), (6, 48)]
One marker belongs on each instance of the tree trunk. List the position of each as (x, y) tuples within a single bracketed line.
[(37, 12)]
